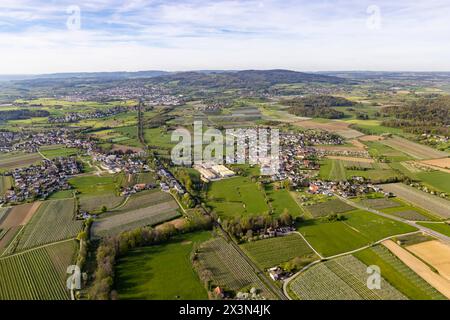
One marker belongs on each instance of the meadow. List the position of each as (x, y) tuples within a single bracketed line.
[(52, 152), (281, 200), (161, 272), (272, 252), (235, 197), (325, 208), (358, 229), (95, 185)]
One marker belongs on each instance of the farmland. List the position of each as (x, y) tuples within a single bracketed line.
[(436, 180), (18, 160), (55, 152), (443, 228), (228, 268), (38, 274), (95, 185), (431, 203), (413, 149), (435, 253), (343, 278), (6, 183), (114, 224), (161, 272), (418, 266), (54, 221), (96, 203), (322, 209), (12, 221), (358, 229), (398, 274), (281, 200), (236, 196), (272, 252)]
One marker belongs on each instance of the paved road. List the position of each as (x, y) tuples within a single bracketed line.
[(426, 230)]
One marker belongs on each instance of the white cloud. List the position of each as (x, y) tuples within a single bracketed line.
[(193, 34)]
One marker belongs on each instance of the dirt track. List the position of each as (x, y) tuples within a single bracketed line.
[(441, 284)]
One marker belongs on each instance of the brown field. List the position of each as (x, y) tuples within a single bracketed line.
[(358, 144), (338, 148), (15, 219), (12, 161), (435, 253), (370, 138), (339, 127), (438, 282), (117, 147), (429, 202), (413, 149), (439, 164), (353, 159), (20, 215)]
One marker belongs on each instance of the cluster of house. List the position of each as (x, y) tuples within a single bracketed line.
[(39, 181), (8, 139), (322, 152), (278, 273), (168, 181), (344, 188), (31, 142), (77, 116), (211, 172), (138, 188), (114, 163), (153, 95)]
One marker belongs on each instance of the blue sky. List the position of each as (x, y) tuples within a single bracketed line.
[(225, 34)]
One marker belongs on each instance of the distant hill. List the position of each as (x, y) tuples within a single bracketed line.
[(87, 75), (245, 78)]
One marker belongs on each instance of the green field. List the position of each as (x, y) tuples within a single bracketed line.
[(281, 200), (95, 185), (96, 203), (436, 180), (360, 228), (38, 274), (398, 274), (158, 138), (331, 169), (325, 208), (52, 152), (272, 252), (443, 228), (54, 221), (161, 272), (235, 197), (6, 182)]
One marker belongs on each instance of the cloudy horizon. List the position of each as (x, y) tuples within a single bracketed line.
[(38, 36)]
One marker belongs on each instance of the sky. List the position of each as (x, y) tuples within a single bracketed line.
[(48, 36)]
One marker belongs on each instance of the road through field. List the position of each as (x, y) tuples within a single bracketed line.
[(411, 223), (433, 233)]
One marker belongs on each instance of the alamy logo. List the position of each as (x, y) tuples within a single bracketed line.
[(374, 278), (254, 146)]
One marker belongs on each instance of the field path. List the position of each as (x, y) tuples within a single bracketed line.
[(441, 284)]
